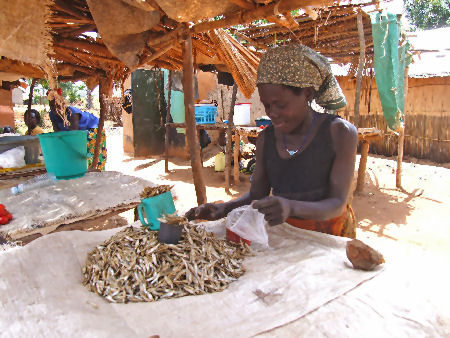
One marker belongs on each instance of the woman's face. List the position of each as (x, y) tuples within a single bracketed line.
[(286, 109)]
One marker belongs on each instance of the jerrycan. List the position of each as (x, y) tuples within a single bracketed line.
[(219, 162)]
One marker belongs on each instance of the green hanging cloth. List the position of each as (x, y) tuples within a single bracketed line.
[(390, 61)]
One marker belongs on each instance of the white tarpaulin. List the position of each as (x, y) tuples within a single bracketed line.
[(43, 210), (303, 282)]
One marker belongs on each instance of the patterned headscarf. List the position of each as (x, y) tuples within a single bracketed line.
[(299, 66)]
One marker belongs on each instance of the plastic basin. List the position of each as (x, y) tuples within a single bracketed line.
[(29, 142), (65, 153)]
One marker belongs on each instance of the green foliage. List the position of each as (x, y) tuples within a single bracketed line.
[(73, 92), (428, 14)]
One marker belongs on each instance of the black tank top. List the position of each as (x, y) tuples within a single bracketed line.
[(304, 176)]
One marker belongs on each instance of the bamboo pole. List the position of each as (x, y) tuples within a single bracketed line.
[(401, 137), (166, 137), (229, 139), (362, 48), (194, 148), (105, 91)]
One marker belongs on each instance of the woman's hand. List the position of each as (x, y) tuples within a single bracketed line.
[(207, 211), (275, 209)]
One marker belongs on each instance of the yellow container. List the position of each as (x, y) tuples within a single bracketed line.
[(219, 162)]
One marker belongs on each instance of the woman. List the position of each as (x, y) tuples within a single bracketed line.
[(73, 118), (32, 119), (305, 160)]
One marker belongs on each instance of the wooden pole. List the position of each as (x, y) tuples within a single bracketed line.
[(194, 148), (362, 49), (362, 166), (105, 91), (401, 137), (229, 139), (166, 137), (30, 96)]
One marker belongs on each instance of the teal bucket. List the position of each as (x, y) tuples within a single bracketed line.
[(155, 207), (65, 153)]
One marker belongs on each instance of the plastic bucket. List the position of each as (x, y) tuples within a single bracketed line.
[(242, 114), (65, 153)]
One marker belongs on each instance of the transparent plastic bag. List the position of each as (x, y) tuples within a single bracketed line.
[(248, 223)]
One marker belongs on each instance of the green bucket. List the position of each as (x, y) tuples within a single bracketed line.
[(155, 207), (65, 153)]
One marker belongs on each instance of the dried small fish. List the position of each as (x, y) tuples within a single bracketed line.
[(132, 266), (154, 191)]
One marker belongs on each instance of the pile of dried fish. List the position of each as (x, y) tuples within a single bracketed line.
[(132, 266), (153, 191)]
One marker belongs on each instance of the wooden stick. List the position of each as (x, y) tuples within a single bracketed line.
[(194, 148), (237, 141), (362, 48), (166, 138), (243, 17), (243, 4), (229, 139), (105, 91), (251, 42), (362, 166), (30, 97), (401, 138), (94, 48), (155, 55)]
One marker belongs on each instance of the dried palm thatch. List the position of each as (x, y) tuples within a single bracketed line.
[(241, 61)]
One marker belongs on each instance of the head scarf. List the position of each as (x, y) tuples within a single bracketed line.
[(299, 66)]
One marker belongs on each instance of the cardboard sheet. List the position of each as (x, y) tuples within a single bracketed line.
[(43, 210)]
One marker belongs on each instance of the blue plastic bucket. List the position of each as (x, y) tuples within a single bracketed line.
[(155, 207), (65, 153)]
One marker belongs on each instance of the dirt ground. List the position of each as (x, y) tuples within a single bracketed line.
[(418, 216)]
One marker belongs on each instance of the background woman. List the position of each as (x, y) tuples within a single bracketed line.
[(66, 118)]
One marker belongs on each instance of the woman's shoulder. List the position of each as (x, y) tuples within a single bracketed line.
[(343, 132)]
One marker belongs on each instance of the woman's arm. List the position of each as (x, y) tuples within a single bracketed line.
[(259, 189), (277, 209)]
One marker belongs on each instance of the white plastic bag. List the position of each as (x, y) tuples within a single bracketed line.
[(248, 223), (13, 158)]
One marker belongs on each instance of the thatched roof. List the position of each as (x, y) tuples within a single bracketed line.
[(81, 55)]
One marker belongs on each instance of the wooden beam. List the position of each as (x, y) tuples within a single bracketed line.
[(250, 41), (194, 148), (105, 92), (84, 45), (148, 58), (64, 7), (243, 4), (22, 68), (243, 17), (362, 50)]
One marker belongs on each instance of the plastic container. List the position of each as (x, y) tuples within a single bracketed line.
[(65, 153), (263, 122), (219, 162), (153, 208), (30, 143), (241, 115), (34, 183), (169, 233), (205, 113), (232, 237)]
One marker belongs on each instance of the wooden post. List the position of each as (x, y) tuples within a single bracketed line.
[(194, 148), (30, 97), (362, 166), (237, 140), (105, 91), (229, 138), (166, 137), (362, 49), (401, 136)]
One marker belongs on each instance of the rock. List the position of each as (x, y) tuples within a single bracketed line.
[(363, 256)]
